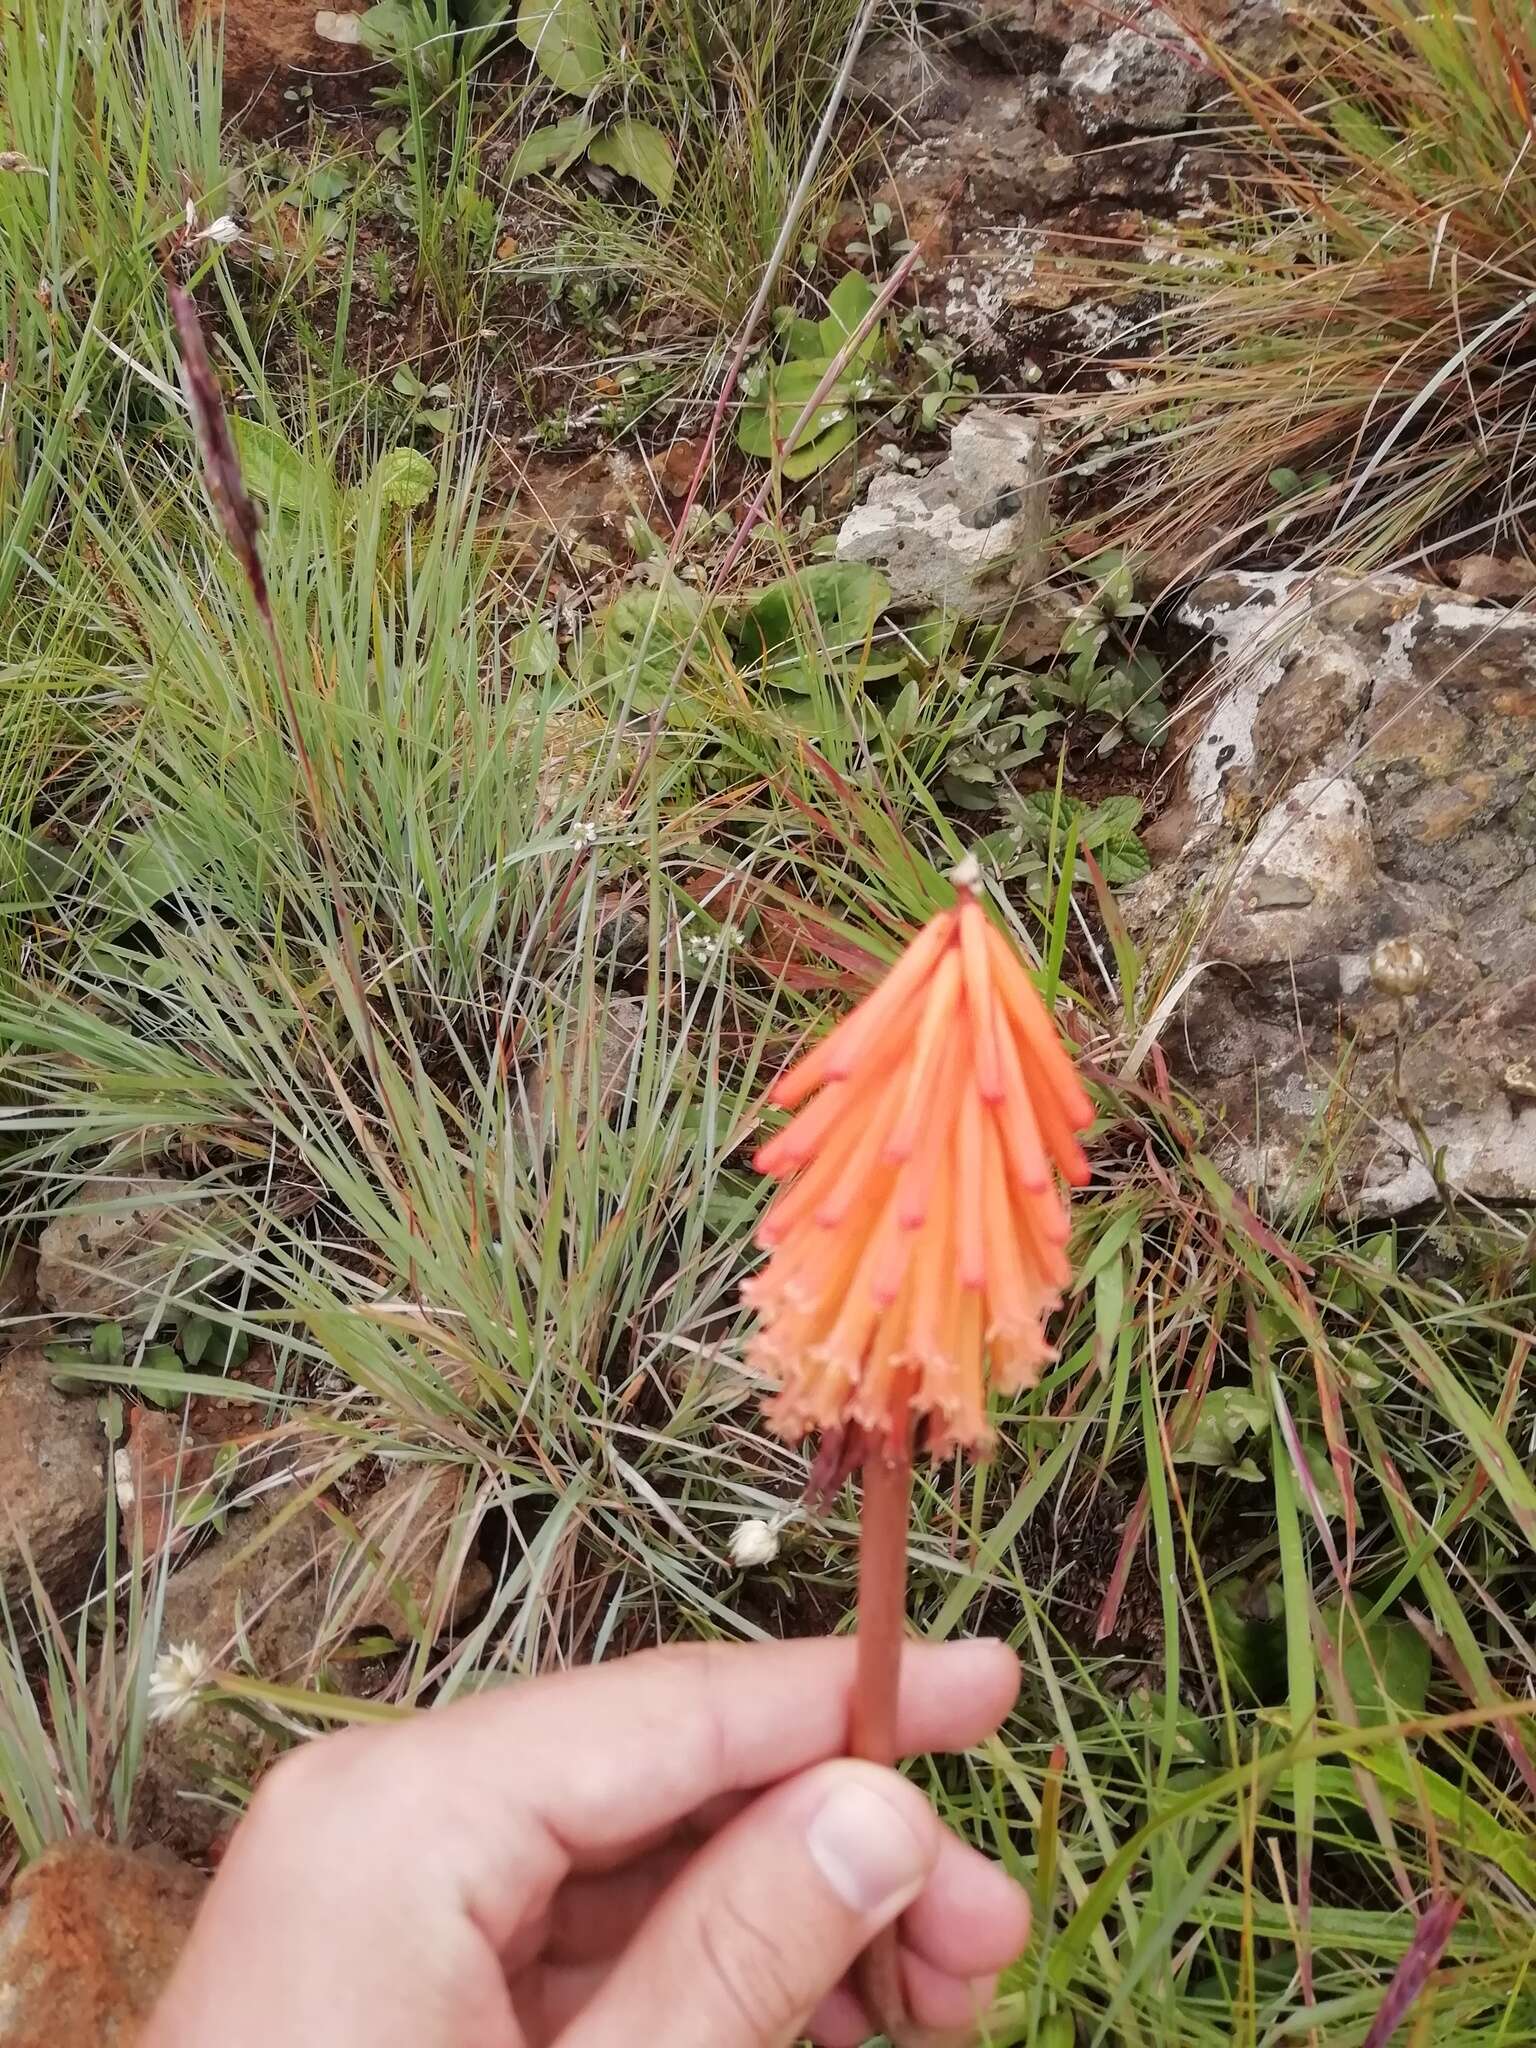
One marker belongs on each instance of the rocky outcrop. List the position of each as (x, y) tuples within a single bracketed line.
[(87, 1943), (973, 532), (1046, 115), (1365, 779)]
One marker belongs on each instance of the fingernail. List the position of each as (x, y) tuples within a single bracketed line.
[(865, 1850)]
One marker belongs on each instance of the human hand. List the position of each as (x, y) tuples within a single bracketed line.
[(669, 1849)]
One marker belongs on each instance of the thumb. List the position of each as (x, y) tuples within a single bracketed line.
[(766, 1919)]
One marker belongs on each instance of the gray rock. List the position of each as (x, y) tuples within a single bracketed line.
[(119, 1251), (1034, 114), (1130, 80), (53, 1480), (973, 532), (911, 79), (1367, 771)]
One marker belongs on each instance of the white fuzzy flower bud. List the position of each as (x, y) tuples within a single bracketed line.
[(1399, 967), (754, 1542)]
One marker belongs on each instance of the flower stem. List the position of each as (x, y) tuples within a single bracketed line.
[(881, 1626)]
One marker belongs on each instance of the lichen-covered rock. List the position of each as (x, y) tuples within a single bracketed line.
[(1039, 114), (119, 1252), (87, 1943), (282, 56), (972, 533), (1366, 773), (53, 1480)]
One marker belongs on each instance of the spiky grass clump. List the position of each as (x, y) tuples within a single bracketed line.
[(1354, 346)]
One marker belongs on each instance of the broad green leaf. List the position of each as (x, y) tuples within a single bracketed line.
[(811, 453), (553, 148), (1325, 1481), (803, 338), (566, 40), (534, 651), (1124, 860), (827, 610), (388, 29), (146, 871), (637, 150), (404, 478), (196, 1335), (1385, 1661), (1227, 1415), (640, 640), (274, 470), (107, 1346), (1109, 819), (769, 421), (847, 303)]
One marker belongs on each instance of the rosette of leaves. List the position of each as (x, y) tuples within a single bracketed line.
[(569, 41), (286, 482), (1000, 734), (1105, 678), (645, 639), (775, 393), (1032, 845), (429, 40)]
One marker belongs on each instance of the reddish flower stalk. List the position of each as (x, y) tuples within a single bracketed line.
[(916, 1249)]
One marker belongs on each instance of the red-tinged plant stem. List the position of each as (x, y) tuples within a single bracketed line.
[(882, 1616)]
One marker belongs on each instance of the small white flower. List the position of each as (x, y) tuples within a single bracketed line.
[(223, 231), (702, 948), (177, 1682), (584, 834), (754, 1542)]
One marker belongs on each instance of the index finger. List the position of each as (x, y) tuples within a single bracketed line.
[(604, 1758)]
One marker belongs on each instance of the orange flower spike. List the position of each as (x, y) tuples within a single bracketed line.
[(919, 1238), (914, 1254), (1037, 1035)]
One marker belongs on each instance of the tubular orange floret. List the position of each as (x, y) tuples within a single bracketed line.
[(929, 1157), (839, 1052), (1037, 1036), (970, 1244), (918, 1244), (938, 1015), (978, 1001)]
